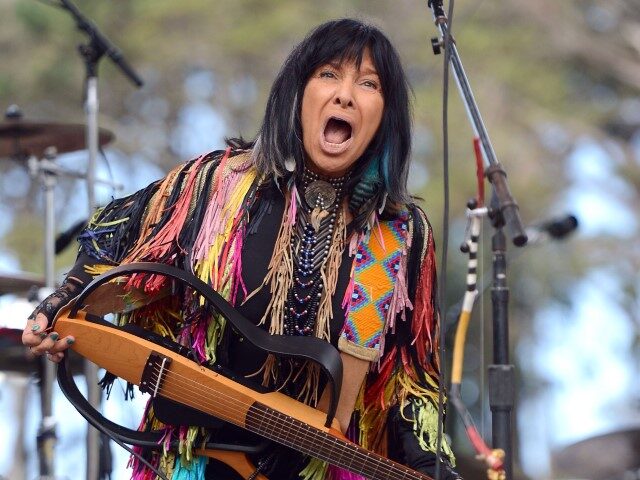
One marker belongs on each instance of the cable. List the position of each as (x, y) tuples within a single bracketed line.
[(445, 233)]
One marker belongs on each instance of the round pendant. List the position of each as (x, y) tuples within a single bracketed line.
[(320, 194)]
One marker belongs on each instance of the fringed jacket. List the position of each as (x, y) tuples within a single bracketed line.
[(217, 218)]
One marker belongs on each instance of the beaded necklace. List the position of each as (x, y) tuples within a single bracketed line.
[(310, 243)]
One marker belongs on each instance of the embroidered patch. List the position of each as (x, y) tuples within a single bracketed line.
[(376, 267)]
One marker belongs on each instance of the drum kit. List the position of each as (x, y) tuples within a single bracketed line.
[(36, 145)]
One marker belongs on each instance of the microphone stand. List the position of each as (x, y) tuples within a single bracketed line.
[(505, 214), (91, 53)]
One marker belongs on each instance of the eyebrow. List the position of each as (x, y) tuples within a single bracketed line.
[(363, 71)]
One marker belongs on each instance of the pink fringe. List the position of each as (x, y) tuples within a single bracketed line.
[(293, 205), (336, 473), (140, 471), (166, 438), (424, 321), (378, 231), (200, 339), (212, 217), (236, 267)]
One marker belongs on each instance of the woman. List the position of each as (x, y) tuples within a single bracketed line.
[(307, 230)]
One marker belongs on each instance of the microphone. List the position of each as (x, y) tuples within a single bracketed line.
[(553, 229)]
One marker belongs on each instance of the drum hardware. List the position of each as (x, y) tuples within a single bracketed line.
[(611, 456), (19, 282), (22, 140), (47, 171), (37, 144)]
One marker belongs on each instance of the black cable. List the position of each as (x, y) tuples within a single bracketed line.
[(107, 164), (445, 233)]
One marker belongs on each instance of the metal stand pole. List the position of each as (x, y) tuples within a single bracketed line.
[(47, 172), (505, 214), (501, 373), (46, 439), (90, 369), (98, 46)]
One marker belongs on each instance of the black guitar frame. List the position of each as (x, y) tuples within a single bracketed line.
[(303, 348)]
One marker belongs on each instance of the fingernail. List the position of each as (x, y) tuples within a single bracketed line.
[(43, 335), (70, 341), (54, 336), (35, 328)]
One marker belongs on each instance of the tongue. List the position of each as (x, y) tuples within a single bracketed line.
[(337, 131)]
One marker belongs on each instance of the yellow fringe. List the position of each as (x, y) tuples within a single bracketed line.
[(167, 461), (185, 448), (425, 427), (97, 269), (315, 470), (208, 268)]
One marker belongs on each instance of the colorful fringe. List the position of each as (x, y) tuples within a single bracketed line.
[(398, 333)]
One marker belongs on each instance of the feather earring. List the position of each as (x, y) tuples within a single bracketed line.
[(290, 164)]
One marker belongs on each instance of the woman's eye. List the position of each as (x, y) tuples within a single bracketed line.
[(327, 74), (370, 84)]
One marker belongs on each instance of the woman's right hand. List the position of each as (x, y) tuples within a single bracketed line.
[(37, 334), (41, 341)]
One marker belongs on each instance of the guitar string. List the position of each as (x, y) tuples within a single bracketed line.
[(370, 461), (388, 466)]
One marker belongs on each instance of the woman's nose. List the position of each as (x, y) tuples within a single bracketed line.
[(344, 95)]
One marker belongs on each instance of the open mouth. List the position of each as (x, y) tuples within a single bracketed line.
[(337, 131)]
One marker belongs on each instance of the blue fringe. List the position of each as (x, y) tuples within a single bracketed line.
[(195, 471)]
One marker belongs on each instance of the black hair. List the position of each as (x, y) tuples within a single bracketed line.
[(383, 168)]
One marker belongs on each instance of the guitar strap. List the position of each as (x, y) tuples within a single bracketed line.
[(356, 366), (351, 386)]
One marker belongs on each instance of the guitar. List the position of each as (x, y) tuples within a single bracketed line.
[(272, 415)]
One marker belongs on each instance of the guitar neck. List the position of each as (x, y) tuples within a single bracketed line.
[(271, 423), (300, 436)]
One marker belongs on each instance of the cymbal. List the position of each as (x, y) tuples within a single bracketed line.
[(19, 282), (22, 139), (602, 457)]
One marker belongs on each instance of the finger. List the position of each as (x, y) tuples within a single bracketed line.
[(35, 330), (62, 344), (47, 343), (55, 357)]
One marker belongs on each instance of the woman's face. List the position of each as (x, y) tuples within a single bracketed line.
[(341, 112)]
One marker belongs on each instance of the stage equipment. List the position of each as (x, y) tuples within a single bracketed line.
[(504, 212), (555, 228), (21, 139), (92, 52), (611, 456), (19, 283)]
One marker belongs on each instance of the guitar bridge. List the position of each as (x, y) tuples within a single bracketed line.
[(154, 373)]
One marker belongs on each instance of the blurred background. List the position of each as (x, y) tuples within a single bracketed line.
[(558, 85)]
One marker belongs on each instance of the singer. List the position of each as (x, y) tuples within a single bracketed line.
[(308, 229)]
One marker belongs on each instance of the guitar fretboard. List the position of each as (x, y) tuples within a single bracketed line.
[(300, 436)]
